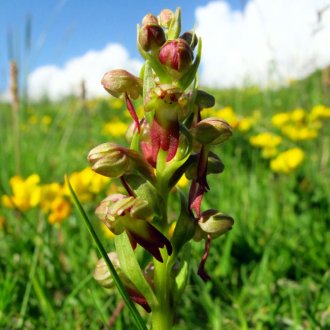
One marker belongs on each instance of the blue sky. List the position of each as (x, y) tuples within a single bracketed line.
[(63, 29), (245, 42)]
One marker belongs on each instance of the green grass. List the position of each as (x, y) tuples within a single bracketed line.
[(270, 272)]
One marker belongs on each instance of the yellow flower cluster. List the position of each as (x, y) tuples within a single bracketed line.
[(52, 198), (115, 128), (268, 142), (298, 125), (287, 161), (241, 123)]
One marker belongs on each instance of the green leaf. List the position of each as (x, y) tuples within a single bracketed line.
[(185, 227), (175, 27), (138, 321), (131, 268), (182, 278), (190, 75)]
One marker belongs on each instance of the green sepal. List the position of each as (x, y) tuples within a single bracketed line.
[(148, 84), (155, 64), (146, 191), (190, 75), (175, 27), (185, 227), (148, 236), (131, 268)]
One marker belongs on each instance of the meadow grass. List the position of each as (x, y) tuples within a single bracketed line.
[(270, 272)]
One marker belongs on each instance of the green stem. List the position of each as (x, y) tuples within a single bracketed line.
[(162, 315)]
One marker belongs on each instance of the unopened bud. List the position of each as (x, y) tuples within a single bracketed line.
[(149, 19), (118, 82), (191, 39), (108, 159), (204, 100), (165, 18), (151, 37), (211, 131), (214, 223), (176, 54), (102, 274)]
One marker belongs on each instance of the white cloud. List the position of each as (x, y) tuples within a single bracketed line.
[(271, 41), (56, 82)]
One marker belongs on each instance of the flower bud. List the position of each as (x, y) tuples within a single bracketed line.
[(108, 159), (165, 18), (214, 223), (102, 274), (204, 100), (190, 38), (211, 131), (151, 37), (149, 19), (118, 82), (176, 54)]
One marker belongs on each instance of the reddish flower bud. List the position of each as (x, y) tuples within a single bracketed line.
[(151, 34), (176, 54)]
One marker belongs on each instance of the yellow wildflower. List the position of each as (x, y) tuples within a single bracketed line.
[(287, 161), (46, 120), (299, 133), (115, 103), (245, 124), (228, 115), (26, 193), (183, 182), (319, 112), (280, 119), (106, 231), (60, 209), (298, 115), (265, 140), (115, 128), (87, 184), (32, 120), (171, 229), (269, 152), (49, 192)]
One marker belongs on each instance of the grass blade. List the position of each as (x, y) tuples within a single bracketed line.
[(139, 323)]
